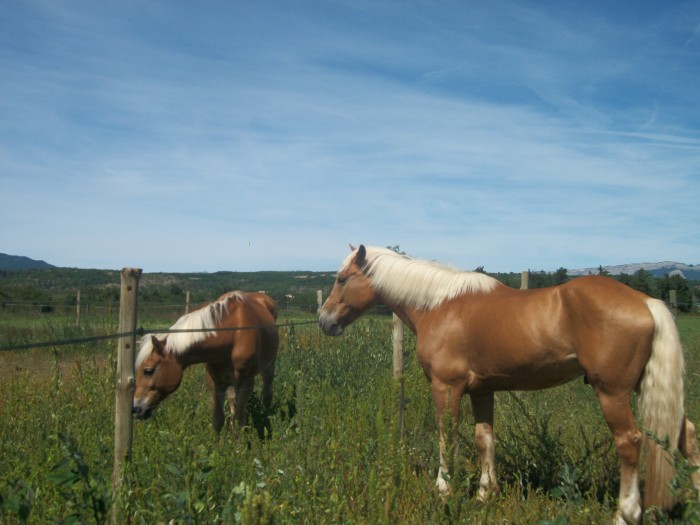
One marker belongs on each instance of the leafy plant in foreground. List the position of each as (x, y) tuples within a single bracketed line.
[(86, 497), (246, 506), (16, 501)]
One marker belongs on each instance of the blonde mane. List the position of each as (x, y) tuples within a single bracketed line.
[(417, 283), (206, 318)]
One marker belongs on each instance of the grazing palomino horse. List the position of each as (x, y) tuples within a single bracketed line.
[(476, 336), (246, 346)]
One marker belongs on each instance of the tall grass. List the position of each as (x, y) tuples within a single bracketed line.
[(330, 451)]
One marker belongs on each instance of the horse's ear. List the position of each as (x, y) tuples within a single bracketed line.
[(352, 248), (360, 256), (158, 347)]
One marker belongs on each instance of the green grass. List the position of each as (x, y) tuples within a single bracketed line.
[(333, 455)]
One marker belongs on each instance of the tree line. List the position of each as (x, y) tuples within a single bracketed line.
[(687, 291), (59, 285)]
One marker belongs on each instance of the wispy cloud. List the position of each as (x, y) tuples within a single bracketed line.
[(253, 137)]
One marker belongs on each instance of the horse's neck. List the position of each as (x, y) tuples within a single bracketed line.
[(202, 353), (408, 314)]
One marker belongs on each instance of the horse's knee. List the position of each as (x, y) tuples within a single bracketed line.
[(629, 446)]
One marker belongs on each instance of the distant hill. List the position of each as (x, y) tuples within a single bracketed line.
[(660, 269), (18, 262)]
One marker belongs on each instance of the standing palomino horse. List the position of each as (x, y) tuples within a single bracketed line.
[(476, 336), (245, 345)]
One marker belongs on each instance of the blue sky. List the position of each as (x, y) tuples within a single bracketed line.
[(206, 136)]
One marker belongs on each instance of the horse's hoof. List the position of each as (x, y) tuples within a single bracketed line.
[(442, 486)]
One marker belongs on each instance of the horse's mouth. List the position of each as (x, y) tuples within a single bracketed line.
[(335, 330), (142, 413), (329, 328)]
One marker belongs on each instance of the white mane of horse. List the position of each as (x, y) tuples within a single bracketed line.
[(418, 283), (207, 317)]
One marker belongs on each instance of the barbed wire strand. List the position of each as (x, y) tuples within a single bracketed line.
[(141, 332)]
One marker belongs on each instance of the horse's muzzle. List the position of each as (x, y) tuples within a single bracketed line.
[(329, 326), (140, 412)]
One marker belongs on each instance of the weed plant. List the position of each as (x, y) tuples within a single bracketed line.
[(328, 451)]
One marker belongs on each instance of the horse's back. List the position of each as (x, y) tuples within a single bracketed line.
[(603, 301), (266, 301), (263, 311), (252, 316), (604, 288)]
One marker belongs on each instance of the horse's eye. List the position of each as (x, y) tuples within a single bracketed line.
[(342, 280), (148, 372)]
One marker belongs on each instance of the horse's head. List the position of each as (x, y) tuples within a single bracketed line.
[(159, 374), (351, 295)]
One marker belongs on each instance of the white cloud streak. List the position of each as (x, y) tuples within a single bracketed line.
[(251, 137)]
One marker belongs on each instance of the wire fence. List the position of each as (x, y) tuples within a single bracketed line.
[(44, 309), (48, 307), (161, 311), (140, 332)]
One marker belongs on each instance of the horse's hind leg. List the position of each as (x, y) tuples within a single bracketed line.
[(268, 375), (243, 391), (482, 408), (617, 411), (217, 394), (689, 448)]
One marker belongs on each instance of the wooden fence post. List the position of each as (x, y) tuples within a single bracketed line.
[(398, 346), (319, 299), (673, 299), (187, 302), (524, 280), (123, 424), (77, 309), (397, 338)]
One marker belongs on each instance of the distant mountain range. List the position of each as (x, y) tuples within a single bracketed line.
[(18, 262), (660, 269)]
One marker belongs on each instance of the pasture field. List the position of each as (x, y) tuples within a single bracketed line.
[(330, 453)]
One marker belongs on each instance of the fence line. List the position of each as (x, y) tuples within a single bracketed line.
[(142, 331)]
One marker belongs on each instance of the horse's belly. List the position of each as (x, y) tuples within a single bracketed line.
[(533, 376)]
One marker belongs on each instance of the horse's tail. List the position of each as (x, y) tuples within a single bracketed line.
[(661, 404)]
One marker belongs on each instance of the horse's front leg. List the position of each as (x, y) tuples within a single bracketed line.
[(482, 408), (231, 396), (217, 394), (444, 396)]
